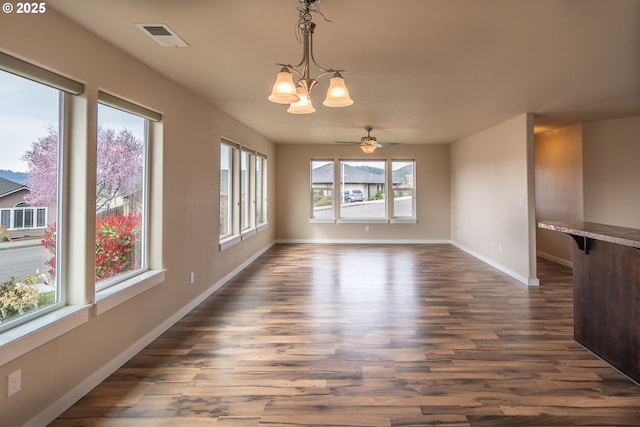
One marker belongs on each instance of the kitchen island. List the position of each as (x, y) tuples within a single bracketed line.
[(606, 291)]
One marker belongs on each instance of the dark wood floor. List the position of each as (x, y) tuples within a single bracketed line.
[(371, 335)]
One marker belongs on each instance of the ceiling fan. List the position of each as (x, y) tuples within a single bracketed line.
[(368, 143)]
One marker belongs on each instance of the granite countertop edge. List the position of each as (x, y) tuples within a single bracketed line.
[(605, 232)]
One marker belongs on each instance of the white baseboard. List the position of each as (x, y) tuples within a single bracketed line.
[(555, 259), (369, 241), (75, 394), (524, 280)]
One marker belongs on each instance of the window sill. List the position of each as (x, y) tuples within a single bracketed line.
[(263, 227), (227, 242), (127, 289), (248, 233), (404, 221), (363, 221), (23, 338), (322, 221)]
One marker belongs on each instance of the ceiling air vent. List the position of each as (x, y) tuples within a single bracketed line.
[(163, 35)]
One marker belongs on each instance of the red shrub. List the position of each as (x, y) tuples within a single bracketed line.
[(117, 245)]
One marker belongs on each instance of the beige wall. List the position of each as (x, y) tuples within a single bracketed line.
[(558, 171), (294, 194), (587, 172), (611, 150), (492, 201), (192, 129)]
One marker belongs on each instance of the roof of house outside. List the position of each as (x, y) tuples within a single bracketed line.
[(352, 175), (8, 187)]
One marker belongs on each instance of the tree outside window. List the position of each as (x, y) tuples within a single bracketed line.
[(29, 196)]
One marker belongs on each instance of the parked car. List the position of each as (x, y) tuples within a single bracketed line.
[(353, 196)]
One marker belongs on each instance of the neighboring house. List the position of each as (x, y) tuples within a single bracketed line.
[(355, 178), (20, 219)]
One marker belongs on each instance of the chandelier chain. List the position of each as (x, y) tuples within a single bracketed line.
[(305, 19)]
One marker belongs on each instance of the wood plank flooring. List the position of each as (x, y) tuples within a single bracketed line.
[(369, 335)]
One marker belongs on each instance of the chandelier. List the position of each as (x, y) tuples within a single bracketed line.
[(285, 91)]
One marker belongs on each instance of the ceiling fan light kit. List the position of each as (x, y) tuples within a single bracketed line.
[(298, 95), (368, 144)]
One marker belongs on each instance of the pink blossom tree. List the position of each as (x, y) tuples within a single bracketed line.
[(42, 169), (119, 163), (120, 159)]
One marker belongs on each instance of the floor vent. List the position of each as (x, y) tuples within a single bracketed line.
[(163, 35)]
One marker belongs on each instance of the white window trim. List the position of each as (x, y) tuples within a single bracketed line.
[(253, 227), (403, 220), (248, 233), (332, 218), (229, 241), (140, 277), (362, 221), (322, 220)]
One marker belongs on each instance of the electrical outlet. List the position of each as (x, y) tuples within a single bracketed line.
[(366, 228), (192, 278), (14, 382)]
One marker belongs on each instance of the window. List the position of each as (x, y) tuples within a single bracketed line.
[(322, 189), (226, 190), (403, 182), (30, 198), (243, 192), (261, 190), (363, 181), (362, 194), (121, 195)]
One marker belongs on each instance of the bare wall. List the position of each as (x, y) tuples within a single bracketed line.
[(558, 169), (492, 196), (611, 150)]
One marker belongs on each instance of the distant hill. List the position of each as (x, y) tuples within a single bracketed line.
[(19, 177)]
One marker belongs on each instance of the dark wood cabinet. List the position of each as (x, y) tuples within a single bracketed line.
[(606, 290)]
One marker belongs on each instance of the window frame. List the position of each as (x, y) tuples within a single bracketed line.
[(229, 189), (77, 299), (126, 107), (247, 188), (16, 323), (249, 210), (133, 283), (339, 194), (410, 219), (389, 198), (331, 218), (261, 190)]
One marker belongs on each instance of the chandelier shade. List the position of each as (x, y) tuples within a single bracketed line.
[(286, 91), (303, 106), (337, 94)]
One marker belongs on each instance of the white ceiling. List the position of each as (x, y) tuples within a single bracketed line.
[(419, 71)]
